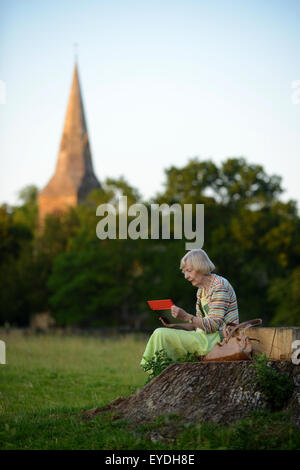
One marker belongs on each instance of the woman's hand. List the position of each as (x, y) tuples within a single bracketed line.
[(168, 325), (179, 313)]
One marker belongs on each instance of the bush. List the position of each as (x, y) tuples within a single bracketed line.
[(161, 361), (276, 387)]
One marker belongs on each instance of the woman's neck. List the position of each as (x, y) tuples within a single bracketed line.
[(205, 281)]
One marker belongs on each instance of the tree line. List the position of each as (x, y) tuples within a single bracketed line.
[(252, 237)]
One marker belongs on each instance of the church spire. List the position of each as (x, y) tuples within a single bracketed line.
[(74, 176)]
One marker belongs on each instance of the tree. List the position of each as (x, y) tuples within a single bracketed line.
[(247, 184), (252, 237), (92, 281), (26, 214), (15, 239), (284, 293)]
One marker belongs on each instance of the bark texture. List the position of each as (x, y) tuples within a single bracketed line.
[(220, 392)]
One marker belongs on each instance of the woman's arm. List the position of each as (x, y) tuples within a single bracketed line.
[(218, 306), (178, 312), (208, 324), (186, 326), (214, 320)]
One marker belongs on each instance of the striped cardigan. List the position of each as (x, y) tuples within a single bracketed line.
[(221, 307)]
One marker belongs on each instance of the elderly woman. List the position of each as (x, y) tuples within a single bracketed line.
[(216, 305)]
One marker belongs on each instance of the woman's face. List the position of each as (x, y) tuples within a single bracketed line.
[(194, 277)]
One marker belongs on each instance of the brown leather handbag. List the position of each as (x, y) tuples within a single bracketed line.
[(233, 348)]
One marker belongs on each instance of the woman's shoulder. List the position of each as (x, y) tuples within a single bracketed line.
[(219, 282)]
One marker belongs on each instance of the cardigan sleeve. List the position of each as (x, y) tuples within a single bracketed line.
[(218, 306)]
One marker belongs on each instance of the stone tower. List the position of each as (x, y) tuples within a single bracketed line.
[(74, 177)]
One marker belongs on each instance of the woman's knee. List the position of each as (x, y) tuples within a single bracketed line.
[(159, 332)]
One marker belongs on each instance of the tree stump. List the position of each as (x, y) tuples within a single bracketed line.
[(219, 392)]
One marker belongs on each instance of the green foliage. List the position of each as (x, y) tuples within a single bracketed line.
[(82, 292), (15, 242), (156, 364), (276, 387), (26, 214), (285, 294), (235, 183), (160, 361), (251, 236)]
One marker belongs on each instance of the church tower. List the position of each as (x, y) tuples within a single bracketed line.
[(74, 177)]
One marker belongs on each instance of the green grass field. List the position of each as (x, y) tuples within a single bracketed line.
[(48, 380)]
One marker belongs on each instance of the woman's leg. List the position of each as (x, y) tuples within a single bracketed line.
[(178, 343)]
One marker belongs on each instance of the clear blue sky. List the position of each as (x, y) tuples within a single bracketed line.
[(162, 81)]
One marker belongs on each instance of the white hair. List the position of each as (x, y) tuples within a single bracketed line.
[(199, 261)]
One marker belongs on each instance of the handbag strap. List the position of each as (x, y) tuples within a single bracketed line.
[(245, 325)]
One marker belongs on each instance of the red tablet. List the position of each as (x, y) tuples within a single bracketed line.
[(160, 304)]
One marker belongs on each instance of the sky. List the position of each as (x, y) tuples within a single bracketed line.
[(162, 82)]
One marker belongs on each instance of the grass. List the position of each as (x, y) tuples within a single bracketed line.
[(48, 380), (52, 372)]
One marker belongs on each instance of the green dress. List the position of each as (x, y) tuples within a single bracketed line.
[(178, 343)]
